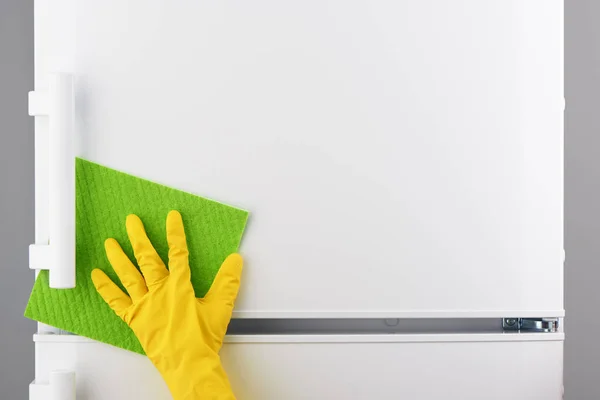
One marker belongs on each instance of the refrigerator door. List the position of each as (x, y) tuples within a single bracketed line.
[(357, 367), (399, 158)]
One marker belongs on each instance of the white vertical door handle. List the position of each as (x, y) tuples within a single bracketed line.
[(60, 386), (58, 255)]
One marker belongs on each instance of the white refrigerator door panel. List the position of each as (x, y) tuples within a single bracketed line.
[(435, 367), (399, 158)]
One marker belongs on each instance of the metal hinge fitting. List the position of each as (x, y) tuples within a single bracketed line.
[(549, 325)]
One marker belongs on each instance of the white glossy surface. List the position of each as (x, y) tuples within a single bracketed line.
[(402, 158), (466, 367)]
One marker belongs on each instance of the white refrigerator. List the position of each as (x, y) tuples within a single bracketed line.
[(402, 161)]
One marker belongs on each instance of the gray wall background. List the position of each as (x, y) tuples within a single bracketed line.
[(582, 180), (582, 199), (16, 197)]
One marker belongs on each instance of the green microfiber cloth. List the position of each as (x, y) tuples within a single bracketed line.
[(104, 198)]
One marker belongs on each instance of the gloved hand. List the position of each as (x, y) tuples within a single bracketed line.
[(181, 334)]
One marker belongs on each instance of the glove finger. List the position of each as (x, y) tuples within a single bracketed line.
[(227, 282), (152, 267), (178, 251), (128, 274), (110, 292)]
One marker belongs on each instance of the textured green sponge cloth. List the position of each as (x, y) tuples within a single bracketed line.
[(104, 198)]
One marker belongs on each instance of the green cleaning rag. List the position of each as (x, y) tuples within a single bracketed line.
[(104, 198)]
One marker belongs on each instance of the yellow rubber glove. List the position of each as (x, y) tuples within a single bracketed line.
[(181, 334)]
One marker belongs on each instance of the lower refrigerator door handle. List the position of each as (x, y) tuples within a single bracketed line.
[(61, 386)]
